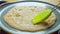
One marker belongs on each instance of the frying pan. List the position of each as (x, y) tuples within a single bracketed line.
[(5, 7)]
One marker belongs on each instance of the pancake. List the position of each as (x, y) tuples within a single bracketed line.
[(20, 18)]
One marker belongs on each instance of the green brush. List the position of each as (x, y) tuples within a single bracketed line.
[(41, 16)]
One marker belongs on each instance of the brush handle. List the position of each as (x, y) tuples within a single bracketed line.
[(58, 5)]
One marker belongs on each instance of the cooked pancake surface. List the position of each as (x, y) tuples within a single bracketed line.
[(21, 18)]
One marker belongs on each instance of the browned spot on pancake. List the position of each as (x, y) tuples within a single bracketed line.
[(17, 15)]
